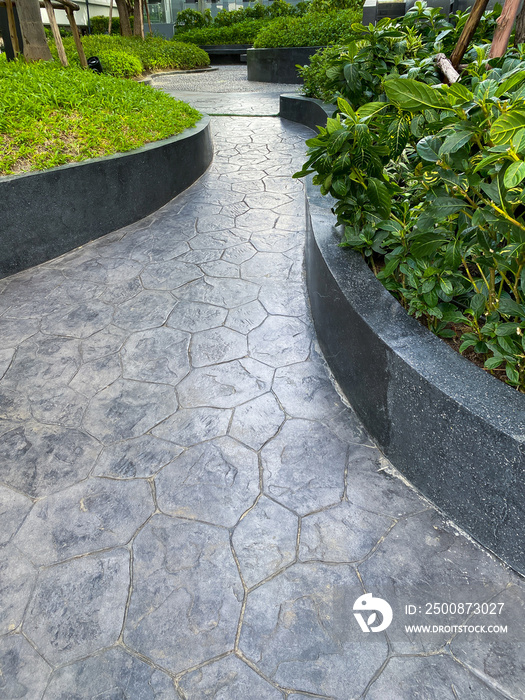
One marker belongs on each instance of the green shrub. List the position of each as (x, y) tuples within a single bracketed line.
[(407, 45), (192, 19), (313, 29), (51, 115), (99, 24), (240, 33), (152, 53), (428, 185), (120, 64), (330, 5)]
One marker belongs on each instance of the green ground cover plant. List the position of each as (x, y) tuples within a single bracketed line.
[(428, 185), (51, 115), (99, 24), (126, 57)]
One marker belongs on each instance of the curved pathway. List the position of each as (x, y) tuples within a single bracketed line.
[(187, 509)]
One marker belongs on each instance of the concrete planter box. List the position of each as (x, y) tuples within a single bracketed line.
[(47, 213), (456, 433), (278, 65)]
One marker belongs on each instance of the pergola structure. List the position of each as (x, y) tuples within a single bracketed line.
[(50, 7)]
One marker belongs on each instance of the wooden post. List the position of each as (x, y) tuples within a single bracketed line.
[(32, 30), (501, 37), (138, 20), (468, 32), (110, 16), (12, 27), (147, 15), (56, 32), (76, 36)]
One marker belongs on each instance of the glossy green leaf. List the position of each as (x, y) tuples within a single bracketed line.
[(504, 128), (414, 96), (428, 148), (514, 174)]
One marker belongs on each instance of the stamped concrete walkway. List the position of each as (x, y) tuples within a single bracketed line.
[(187, 509)]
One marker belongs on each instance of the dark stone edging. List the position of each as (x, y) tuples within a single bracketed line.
[(47, 213), (456, 433), (278, 65)]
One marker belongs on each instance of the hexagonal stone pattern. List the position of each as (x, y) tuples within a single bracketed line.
[(23, 672), (13, 509), (138, 457), (112, 674), (256, 421), (265, 540), (214, 482), (159, 355), (298, 633), (17, 577), (39, 459), (228, 675), (187, 509), (190, 426), (78, 607), (96, 514), (280, 341), (304, 466), (186, 596), (343, 533), (127, 409), (432, 678)]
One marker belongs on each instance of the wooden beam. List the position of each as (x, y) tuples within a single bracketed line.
[(56, 32), (505, 21), (32, 30), (110, 22), (12, 27), (76, 37), (468, 32), (447, 69)]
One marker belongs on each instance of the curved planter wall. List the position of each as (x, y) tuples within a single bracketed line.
[(45, 214), (278, 65), (454, 431)]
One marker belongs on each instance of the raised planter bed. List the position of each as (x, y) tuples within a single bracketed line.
[(230, 52), (47, 213), (456, 433), (278, 65)]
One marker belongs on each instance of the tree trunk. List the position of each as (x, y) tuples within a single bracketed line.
[(125, 27), (32, 29), (519, 36), (468, 32), (138, 19), (501, 37)]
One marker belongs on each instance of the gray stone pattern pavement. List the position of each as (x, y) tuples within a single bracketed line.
[(187, 509), (224, 91)]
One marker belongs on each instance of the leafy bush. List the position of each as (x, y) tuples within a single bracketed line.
[(99, 24), (310, 30), (120, 64), (240, 33), (152, 53), (405, 46), (51, 115), (193, 19), (330, 5), (429, 188)]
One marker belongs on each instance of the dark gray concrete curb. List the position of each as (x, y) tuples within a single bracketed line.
[(456, 433), (278, 65), (47, 213)]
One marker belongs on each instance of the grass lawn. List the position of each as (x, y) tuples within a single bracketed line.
[(51, 115)]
